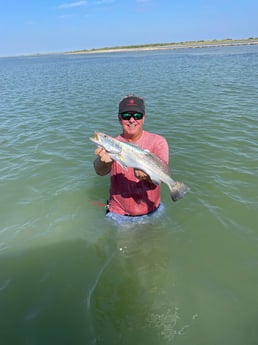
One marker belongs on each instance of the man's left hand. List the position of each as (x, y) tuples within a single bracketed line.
[(141, 175)]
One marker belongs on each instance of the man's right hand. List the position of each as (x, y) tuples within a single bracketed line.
[(103, 162), (103, 155)]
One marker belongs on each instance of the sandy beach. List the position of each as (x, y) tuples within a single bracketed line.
[(164, 46)]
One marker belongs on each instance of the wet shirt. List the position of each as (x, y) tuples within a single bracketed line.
[(128, 194)]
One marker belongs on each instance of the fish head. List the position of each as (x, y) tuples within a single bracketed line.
[(96, 138), (105, 141)]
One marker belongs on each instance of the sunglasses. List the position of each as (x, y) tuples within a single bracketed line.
[(127, 116)]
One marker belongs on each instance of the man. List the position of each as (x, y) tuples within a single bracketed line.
[(132, 193)]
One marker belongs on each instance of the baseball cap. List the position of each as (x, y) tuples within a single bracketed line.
[(132, 103)]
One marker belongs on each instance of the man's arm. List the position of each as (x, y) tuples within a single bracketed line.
[(103, 162)]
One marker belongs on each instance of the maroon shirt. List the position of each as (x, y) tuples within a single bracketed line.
[(128, 194)]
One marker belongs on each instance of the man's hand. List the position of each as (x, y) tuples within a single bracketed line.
[(104, 156), (141, 175), (103, 162)]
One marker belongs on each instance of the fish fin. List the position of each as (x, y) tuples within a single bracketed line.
[(119, 160), (123, 165), (178, 190)]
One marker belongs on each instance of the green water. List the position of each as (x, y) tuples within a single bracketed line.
[(68, 275)]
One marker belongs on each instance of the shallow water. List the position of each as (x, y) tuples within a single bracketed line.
[(67, 274)]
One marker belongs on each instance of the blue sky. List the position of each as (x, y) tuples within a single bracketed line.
[(42, 26)]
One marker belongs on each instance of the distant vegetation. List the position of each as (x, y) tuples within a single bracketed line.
[(174, 45)]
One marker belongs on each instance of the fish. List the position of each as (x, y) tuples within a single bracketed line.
[(129, 155)]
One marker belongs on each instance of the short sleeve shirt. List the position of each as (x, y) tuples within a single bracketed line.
[(128, 194)]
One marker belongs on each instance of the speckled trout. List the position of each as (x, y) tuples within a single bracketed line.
[(131, 156)]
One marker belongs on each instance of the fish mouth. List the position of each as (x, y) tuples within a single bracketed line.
[(95, 137)]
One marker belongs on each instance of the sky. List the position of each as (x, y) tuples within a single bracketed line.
[(52, 26)]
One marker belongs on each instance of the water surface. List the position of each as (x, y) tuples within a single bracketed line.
[(67, 275)]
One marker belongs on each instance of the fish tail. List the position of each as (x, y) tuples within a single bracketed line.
[(178, 190)]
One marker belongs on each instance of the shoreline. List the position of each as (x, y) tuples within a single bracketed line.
[(167, 46), (149, 47)]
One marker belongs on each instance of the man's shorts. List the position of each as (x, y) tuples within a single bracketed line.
[(144, 219)]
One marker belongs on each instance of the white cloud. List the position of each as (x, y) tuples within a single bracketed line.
[(73, 4), (102, 2), (84, 3)]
